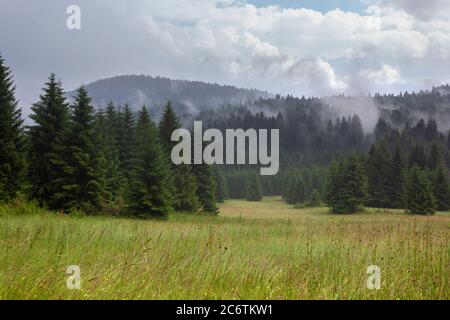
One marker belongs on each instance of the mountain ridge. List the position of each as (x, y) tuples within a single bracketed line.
[(188, 97)]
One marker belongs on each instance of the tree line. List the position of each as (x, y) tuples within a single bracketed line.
[(74, 157), (418, 183)]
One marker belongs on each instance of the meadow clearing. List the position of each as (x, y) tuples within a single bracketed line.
[(259, 250)]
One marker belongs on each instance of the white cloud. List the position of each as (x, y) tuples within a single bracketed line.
[(423, 9), (394, 45), (385, 75)]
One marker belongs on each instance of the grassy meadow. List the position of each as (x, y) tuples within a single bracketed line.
[(262, 250)]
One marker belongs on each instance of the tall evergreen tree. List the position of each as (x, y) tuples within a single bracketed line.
[(182, 183), (169, 123), (314, 199), (79, 162), (106, 128), (12, 140), (417, 157), (396, 179), (125, 136), (335, 187), (206, 188), (347, 189), (254, 190), (378, 175), (435, 158), (441, 188), (221, 185), (149, 192), (50, 115), (419, 195)]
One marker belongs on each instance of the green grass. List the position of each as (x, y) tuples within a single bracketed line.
[(265, 250)]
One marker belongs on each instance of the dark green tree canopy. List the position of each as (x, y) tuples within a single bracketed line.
[(12, 140), (50, 115)]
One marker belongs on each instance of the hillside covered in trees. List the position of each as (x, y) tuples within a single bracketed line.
[(187, 97)]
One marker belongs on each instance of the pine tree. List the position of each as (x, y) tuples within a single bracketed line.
[(254, 190), (347, 189), (356, 184), (417, 157), (295, 188), (182, 184), (378, 168), (50, 115), (314, 199), (435, 159), (125, 136), (149, 193), (12, 139), (206, 188), (107, 132), (335, 188), (419, 196), (441, 188), (169, 123), (79, 162), (221, 185), (397, 179)]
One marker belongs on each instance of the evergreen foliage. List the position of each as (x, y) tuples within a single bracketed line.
[(182, 183), (347, 189), (253, 190), (79, 183), (419, 195), (12, 139), (149, 192), (221, 185), (442, 189), (50, 115)]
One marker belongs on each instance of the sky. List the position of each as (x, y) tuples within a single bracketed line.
[(298, 47)]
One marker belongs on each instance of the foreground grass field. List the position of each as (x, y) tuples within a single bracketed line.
[(265, 250)]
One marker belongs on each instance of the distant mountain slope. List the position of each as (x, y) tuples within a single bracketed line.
[(188, 97)]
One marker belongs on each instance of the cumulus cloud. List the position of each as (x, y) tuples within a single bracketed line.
[(385, 75), (394, 45), (423, 9)]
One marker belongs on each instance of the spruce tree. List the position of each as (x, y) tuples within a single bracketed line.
[(355, 184), (441, 188), (182, 183), (50, 115), (378, 168), (149, 192), (314, 199), (125, 137), (221, 185), (79, 162), (417, 157), (169, 122), (335, 186), (347, 188), (254, 190), (396, 179), (295, 188), (206, 188), (435, 159), (12, 140), (106, 131), (419, 195)]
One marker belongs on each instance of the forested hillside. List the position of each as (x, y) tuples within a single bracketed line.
[(187, 97)]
